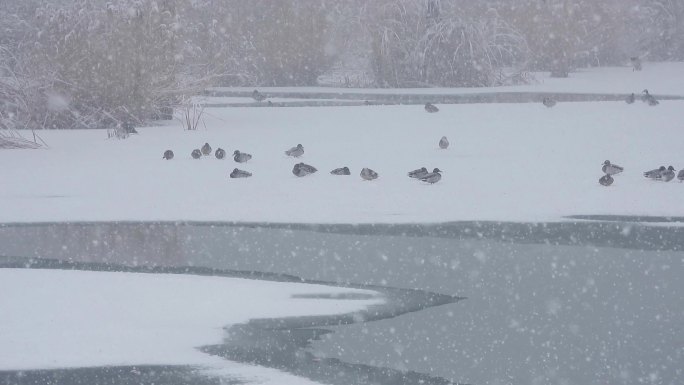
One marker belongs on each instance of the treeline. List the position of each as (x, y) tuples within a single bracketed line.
[(89, 63)]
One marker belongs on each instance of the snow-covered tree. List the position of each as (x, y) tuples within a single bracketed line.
[(447, 44), (658, 29)]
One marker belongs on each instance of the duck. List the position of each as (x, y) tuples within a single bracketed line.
[(548, 102), (431, 108), (206, 149), (432, 177), (258, 96), (168, 155), (419, 173), (341, 171), (668, 174), (368, 174), (237, 173), (241, 157), (295, 151), (303, 169), (611, 169), (680, 176), (648, 98), (444, 143), (220, 153), (606, 180), (630, 98), (196, 154), (655, 174)]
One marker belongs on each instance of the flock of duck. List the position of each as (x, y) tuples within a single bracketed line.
[(302, 169), (646, 97), (631, 98), (659, 174), (549, 102)]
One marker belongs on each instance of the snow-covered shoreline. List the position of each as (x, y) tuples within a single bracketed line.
[(68, 319)]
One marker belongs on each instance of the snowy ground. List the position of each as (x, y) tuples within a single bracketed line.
[(68, 319), (517, 162)]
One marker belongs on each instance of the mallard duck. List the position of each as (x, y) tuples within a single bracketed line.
[(432, 177), (237, 173), (419, 173), (548, 102), (606, 180), (611, 169), (668, 174), (220, 153), (656, 173), (341, 171), (206, 149), (368, 174), (648, 98), (241, 157), (258, 96), (295, 151), (303, 169), (431, 108)]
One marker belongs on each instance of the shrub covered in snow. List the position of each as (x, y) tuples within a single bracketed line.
[(415, 44)]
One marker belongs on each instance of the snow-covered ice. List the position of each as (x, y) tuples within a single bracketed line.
[(516, 162), (66, 319)]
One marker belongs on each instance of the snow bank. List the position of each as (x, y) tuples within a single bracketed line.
[(62, 319)]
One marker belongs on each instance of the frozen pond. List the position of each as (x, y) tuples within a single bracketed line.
[(561, 303)]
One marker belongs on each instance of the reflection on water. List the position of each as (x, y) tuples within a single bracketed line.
[(172, 244), (115, 375), (576, 303)]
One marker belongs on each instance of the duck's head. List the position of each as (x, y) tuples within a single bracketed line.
[(607, 163), (300, 146), (236, 152), (671, 168), (345, 169), (661, 168), (436, 170)]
